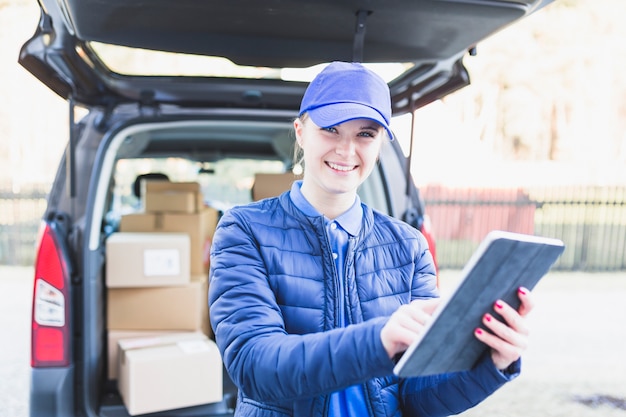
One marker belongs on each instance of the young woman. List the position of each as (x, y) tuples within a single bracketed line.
[(313, 294)]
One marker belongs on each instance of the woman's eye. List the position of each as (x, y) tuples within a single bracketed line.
[(367, 134), (329, 129)]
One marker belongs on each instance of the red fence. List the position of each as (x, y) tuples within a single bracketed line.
[(590, 220), (470, 213)]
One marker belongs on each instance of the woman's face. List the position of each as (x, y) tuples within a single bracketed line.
[(338, 159)]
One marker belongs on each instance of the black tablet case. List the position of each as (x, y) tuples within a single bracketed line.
[(503, 262)]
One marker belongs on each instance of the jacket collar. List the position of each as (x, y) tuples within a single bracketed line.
[(350, 221), (367, 219)]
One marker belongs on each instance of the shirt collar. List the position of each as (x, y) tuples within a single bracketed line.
[(350, 220)]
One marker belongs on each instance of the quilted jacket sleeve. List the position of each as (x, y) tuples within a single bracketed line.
[(265, 362), (450, 394)]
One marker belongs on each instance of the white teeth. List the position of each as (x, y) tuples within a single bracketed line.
[(340, 167)]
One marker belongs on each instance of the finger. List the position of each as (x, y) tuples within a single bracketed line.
[(527, 301), (411, 318), (405, 325), (500, 345), (401, 337), (400, 331), (502, 353), (514, 336), (428, 305), (511, 317)]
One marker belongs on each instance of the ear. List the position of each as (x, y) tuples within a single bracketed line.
[(298, 128)]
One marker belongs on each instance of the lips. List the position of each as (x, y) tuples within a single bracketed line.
[(342, 168)]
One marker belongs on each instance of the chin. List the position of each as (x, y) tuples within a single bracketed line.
[(336, 187)]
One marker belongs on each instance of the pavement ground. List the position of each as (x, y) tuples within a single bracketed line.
[(574, 367)]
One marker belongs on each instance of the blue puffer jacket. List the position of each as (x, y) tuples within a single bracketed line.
[(272, 301)]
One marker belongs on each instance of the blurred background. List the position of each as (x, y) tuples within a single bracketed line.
[(536, 144)]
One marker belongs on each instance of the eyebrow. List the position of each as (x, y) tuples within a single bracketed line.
[(370, 125), (374, 126)]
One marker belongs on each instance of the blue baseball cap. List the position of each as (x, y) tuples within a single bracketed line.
[(345, 91)]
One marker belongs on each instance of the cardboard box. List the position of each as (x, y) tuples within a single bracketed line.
[(169, 372), (176, 197), (158, 308), (159, 186), (147, 259), (272, 185), (199, 226), (114, 336)]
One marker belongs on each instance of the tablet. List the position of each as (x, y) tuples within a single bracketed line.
[(502, 263)]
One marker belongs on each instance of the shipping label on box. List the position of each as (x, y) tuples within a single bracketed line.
[(157, 262), (147, 259), (199, 226), (169, 372)]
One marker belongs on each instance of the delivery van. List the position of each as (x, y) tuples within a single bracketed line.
[(178, 111)]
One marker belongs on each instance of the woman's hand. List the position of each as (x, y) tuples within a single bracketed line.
[(405, 324), (510, 336)]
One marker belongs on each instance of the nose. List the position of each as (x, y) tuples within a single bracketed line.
[(345, 146)]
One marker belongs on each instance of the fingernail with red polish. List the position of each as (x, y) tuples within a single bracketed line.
[(478, 331), (488, 317), (522, 290), (498, 304)]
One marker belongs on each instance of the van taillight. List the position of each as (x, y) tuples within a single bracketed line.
[(50, 320)]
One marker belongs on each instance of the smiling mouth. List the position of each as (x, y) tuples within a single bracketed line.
[(342, 168)]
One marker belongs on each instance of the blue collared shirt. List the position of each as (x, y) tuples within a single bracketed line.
[(351, 401)]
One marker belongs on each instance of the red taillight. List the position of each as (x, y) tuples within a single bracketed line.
[(50, 319), (427, 232)]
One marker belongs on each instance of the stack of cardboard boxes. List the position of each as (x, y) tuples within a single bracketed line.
[(157, 308), (271, 184)]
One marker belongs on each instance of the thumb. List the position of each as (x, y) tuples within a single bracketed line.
[(427, 305)]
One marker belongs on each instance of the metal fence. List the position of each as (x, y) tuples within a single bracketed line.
[(20, 216), (590, 220)]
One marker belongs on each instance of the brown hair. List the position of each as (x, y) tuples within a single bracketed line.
[(298, 153)]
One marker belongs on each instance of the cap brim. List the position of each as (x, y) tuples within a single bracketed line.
[(337, 113)]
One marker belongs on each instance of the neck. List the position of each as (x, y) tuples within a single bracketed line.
[(330, 205)]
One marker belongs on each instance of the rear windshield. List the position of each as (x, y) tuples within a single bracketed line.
[(137, 62), (224, 184)]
